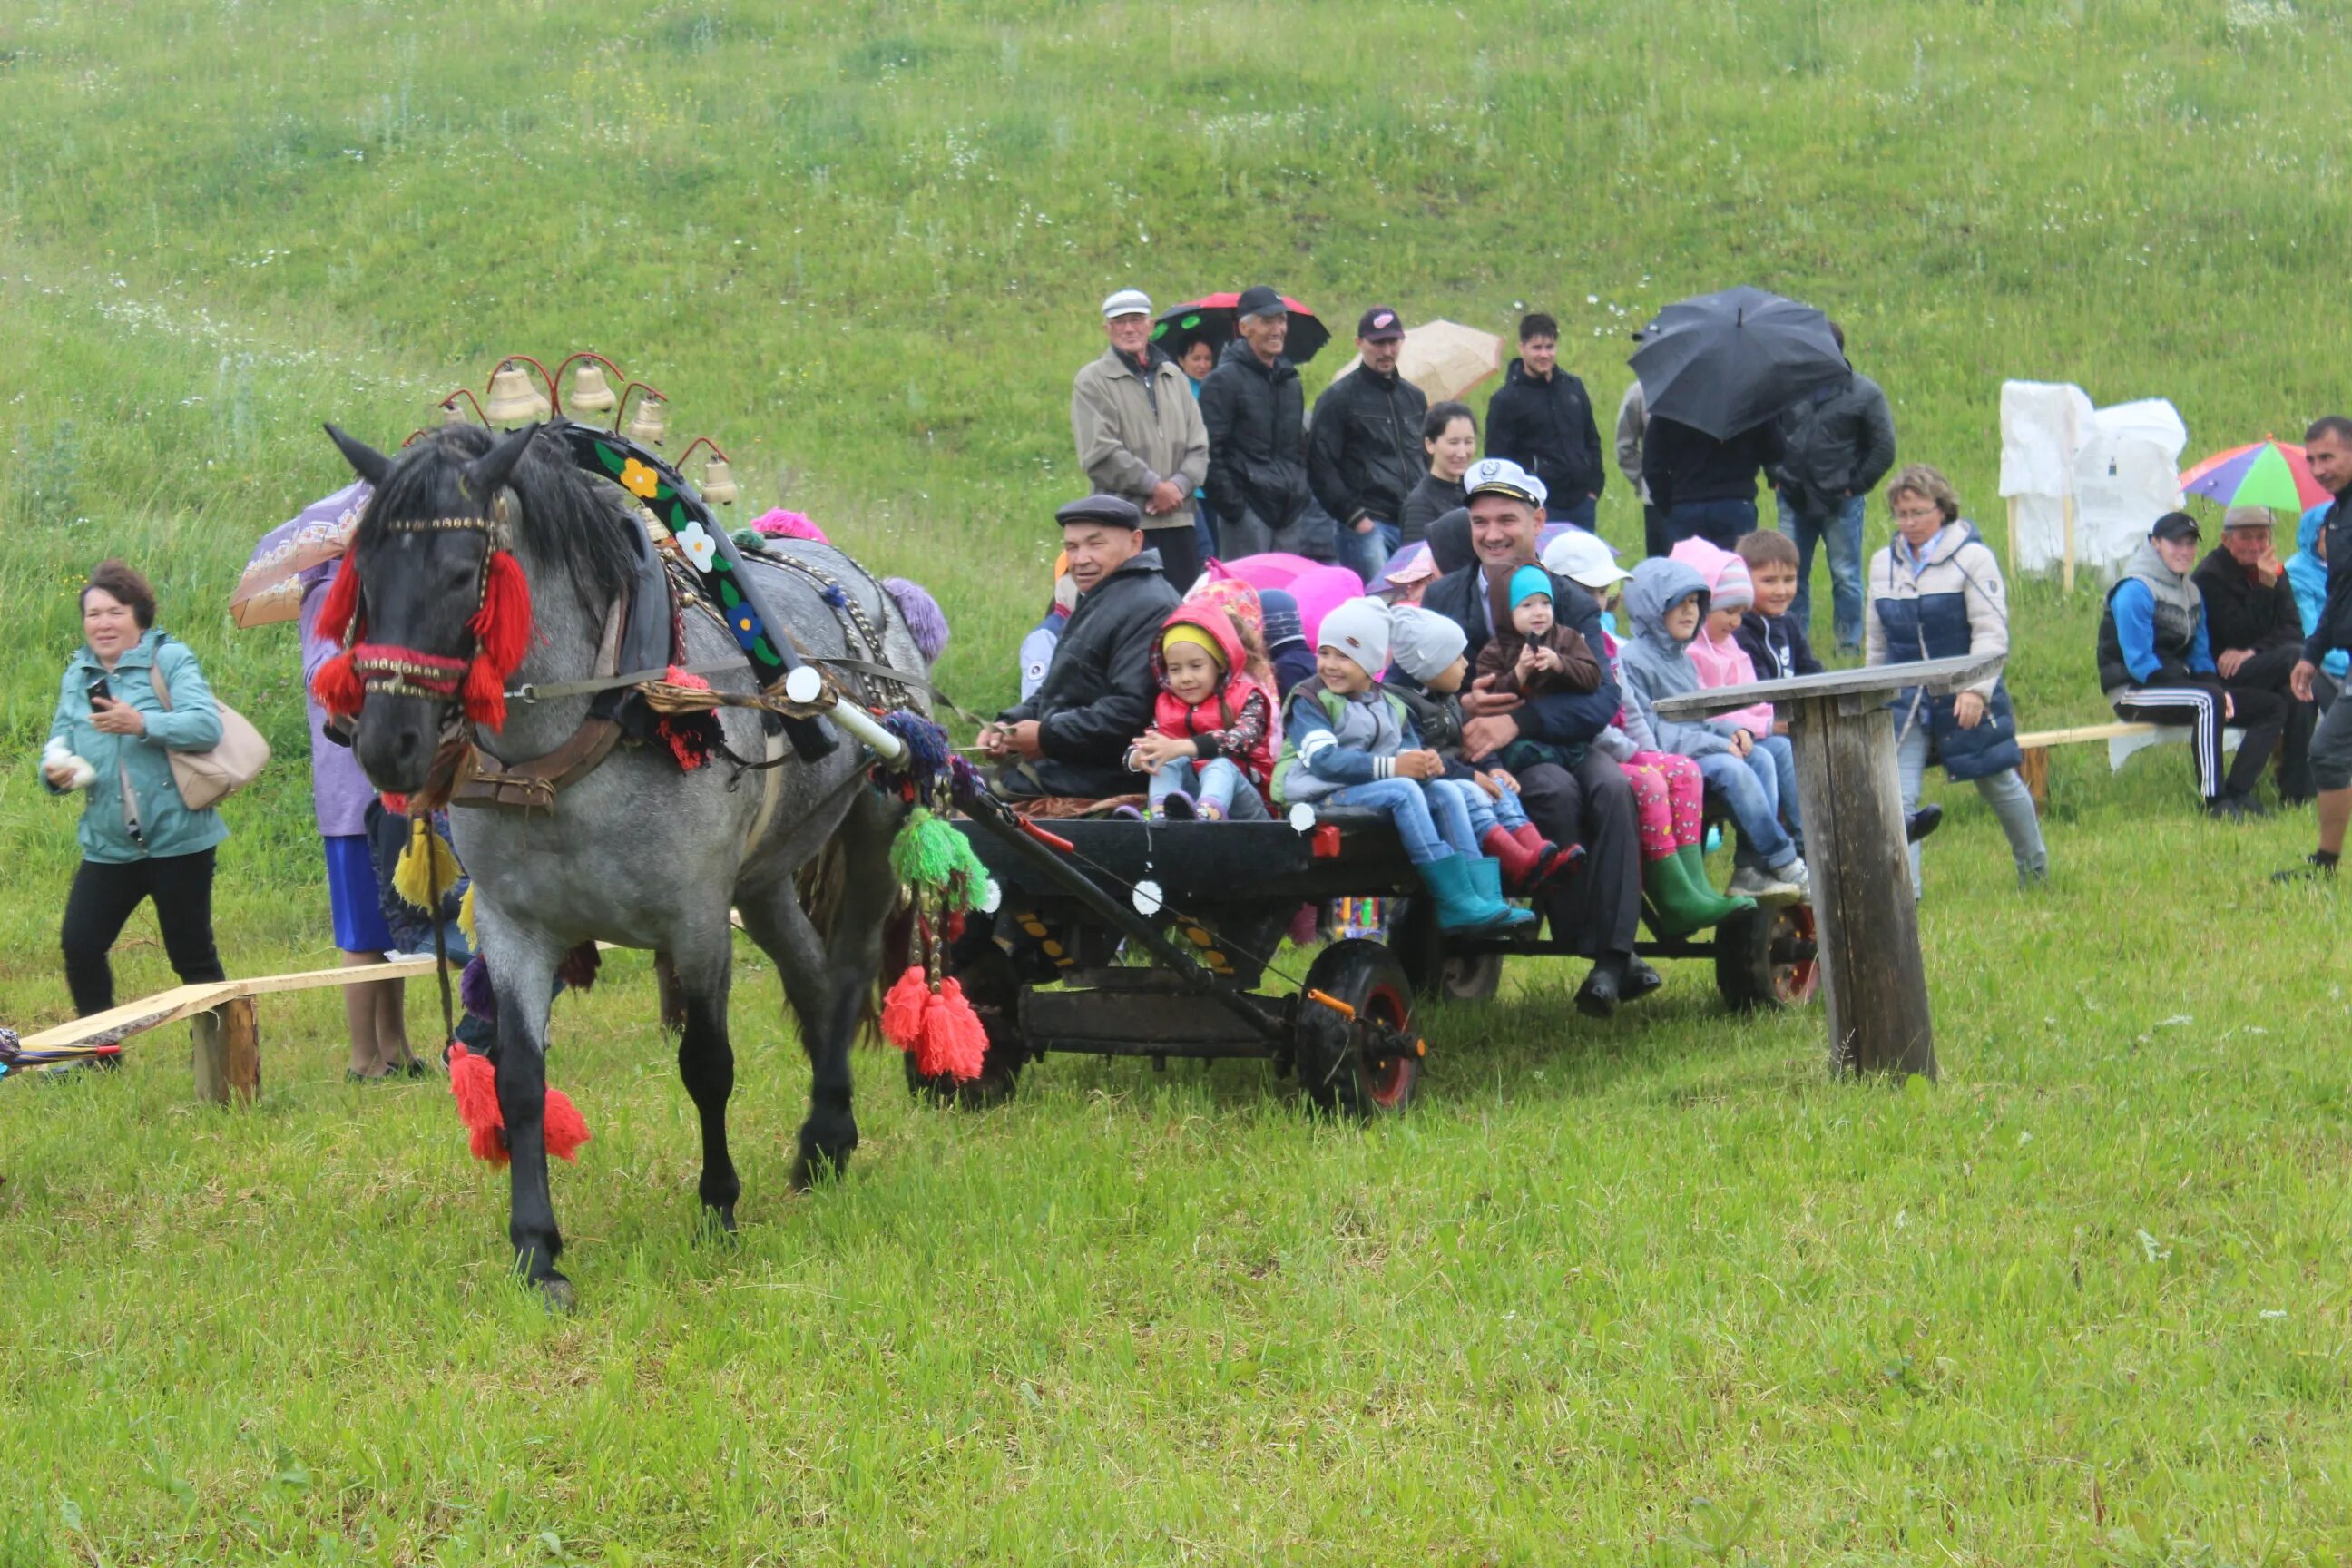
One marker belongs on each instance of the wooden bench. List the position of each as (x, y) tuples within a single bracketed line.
[(2122, 741)]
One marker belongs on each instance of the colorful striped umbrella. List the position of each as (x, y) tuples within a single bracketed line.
[(2265, 473)]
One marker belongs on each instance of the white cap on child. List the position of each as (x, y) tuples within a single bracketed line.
[(1358, 628)]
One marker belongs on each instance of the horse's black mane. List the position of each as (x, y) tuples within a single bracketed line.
[(567, 518)]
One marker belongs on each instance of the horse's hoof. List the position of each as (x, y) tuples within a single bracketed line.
[(816, 1167), (555, 1293), (719, 1221)]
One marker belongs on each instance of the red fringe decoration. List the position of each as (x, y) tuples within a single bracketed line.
[(338, 687), (902, 1009), (395, 804), (342, 600), (686, 744), (503, 623), (473, 1083), (485, 694), (953, 1043)]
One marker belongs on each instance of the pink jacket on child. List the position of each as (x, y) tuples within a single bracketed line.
[(1724, 663)]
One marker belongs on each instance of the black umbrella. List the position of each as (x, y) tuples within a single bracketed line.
[(1726, 362), (1210, 320)]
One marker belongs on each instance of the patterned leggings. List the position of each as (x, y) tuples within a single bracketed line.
[(1668, 797)]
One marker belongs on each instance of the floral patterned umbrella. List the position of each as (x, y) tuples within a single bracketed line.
[(269, 590)]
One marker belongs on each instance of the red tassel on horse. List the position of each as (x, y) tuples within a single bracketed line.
[(503, 624), (902, 1009), (954, 1042), (473, 1082), (486, 694), (338, 687), (342, 600)]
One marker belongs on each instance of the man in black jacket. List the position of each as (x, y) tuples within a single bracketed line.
[(2255, 630), (1837, 443), (1707, 485), (1364, 455), (2327, 446), (1071, 736), (1596, 911), (1541, 420), (1256, 417)]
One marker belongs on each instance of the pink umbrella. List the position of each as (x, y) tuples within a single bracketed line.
[(270, 587), (1317, 587)]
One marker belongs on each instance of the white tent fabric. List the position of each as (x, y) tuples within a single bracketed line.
[(2121, 466)]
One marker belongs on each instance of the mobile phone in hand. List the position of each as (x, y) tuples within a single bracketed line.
[(100, 692)]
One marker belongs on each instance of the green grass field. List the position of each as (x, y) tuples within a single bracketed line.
[(1655, 1291)]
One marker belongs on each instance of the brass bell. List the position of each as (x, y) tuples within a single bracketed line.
[(513, 399), (452, 415), (646, 425), (719, 486), (590, 394)]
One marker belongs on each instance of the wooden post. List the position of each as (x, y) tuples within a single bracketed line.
[(2066, 567), (1872, 975), (227, 1052), (2009, 562), (2034, 768)]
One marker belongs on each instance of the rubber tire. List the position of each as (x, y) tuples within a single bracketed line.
[(1336, 1079), (1421, 947), (1748, 974), (993, 989)]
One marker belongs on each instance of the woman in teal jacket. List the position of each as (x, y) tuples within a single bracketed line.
[(111, 740)]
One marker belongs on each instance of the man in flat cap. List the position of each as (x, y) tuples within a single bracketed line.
[(1070, 736), (1364, 455), (1140, 434), (1256, 417), (2255, 631)]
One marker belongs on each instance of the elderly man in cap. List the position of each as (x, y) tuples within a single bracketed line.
[(1256, 417), (1364, 455), (2255, 629), (1070, 737), (1139, 433), (1597, 910), (2155, 665)]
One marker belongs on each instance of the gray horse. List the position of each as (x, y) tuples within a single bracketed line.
[(637, 852)]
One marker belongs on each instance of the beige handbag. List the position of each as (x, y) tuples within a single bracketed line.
[(204, 779)]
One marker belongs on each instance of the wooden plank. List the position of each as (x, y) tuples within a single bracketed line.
[(1874, 977), (2082, 732), (1879, 680), (2066, 569)]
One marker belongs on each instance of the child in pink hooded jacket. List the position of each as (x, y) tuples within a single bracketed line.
[(1720, 661)]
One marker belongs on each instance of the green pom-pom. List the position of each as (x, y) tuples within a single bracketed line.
[(930, 856)]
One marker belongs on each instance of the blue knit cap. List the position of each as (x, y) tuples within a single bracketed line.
[(1526, 583)]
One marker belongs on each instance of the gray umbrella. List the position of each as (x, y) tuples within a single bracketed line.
[(1726, 362)]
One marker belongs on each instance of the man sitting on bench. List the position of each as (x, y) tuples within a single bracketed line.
[(2255, 629), (2155, 665), (1070, 736)]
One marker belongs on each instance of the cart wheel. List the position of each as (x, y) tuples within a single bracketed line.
[(1767, 958), (993, 990), (1338, 1066), (1419, 946)]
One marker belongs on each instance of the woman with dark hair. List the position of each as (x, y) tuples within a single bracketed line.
[(111, 740), (1449, 434)]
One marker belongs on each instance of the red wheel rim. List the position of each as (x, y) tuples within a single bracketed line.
[(1793, 982), (1387, 1082)]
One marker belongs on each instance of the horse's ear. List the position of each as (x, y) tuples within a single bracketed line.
[(486, 473), (365, 460)]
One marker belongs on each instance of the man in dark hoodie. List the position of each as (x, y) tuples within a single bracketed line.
[(1837, 442), (1256, 415), (1706, 486), (2255, 628), (1541, 420), (1597, 909), (1071, 736), (1364, 455)]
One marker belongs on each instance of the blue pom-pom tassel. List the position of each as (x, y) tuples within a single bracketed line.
[(835, 596), (474, 990)]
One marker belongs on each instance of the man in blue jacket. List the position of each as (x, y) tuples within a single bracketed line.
[(2327, 445), (1596, 911)]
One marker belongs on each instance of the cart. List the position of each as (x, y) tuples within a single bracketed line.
[(1118, 937)]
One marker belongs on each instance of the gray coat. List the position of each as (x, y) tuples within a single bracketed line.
[(1657, 663), (1131, 435), (1837, 443)]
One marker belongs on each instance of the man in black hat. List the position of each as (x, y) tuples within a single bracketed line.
[(1070, 737), (1364, 455), (1256, 417)]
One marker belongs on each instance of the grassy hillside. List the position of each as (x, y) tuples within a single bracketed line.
[(1614, 1289)]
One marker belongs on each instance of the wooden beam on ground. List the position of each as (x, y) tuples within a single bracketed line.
[(118, 1023)]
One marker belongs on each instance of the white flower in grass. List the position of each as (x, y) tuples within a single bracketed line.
[(699, 547)]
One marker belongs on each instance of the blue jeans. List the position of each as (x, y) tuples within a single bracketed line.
[(1750, 788), (1366, 554), (1485, 812), (1219, 782), (1431, 821), (1784, 782), (1579, 511), (1841, 532), (1204, 525), (1719, 523)]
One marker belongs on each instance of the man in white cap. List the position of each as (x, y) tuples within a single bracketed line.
[(1140, 434)]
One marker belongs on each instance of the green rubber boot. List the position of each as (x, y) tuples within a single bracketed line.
[(1683, 896)]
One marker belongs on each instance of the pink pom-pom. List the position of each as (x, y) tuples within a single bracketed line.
[(902, 1009), (781, 524), (954, 1042)]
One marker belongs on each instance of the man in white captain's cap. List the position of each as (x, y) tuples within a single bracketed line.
[(1140, 434)]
